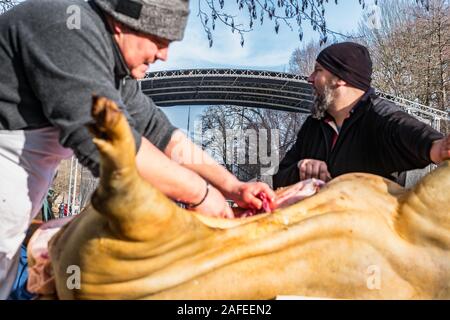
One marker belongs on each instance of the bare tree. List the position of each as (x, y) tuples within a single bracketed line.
[(292, 13), (435, 24), (303, 58), (61, 181), (88, 184), (411, 50), (249, 141), (6, 5)]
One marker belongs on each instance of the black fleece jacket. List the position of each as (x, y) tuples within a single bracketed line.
[(377, 138)]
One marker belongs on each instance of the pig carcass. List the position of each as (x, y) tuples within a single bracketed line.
[(361, 236)]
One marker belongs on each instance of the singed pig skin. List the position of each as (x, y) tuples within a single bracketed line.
[(360, 237)]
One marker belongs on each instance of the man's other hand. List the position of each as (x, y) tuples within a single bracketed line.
[(440, 150), (312, 168)]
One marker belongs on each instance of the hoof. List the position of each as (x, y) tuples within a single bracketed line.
[(106, 115)]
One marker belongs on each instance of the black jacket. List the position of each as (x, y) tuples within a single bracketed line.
[(377, 138)]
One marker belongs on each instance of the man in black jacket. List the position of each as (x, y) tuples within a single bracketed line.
[(351, 129)]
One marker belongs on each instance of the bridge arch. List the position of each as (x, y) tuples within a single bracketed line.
[(252, 88)]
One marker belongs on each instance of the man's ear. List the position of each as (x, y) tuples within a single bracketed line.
[(116, 26)]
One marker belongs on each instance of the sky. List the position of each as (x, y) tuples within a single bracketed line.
[(263, 48)]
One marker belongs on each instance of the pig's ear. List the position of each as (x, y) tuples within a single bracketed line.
[(424, 211)]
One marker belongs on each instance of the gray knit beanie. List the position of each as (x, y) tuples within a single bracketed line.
[(163, 18)]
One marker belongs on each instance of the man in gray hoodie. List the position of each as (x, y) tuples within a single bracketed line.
[(54, 55)]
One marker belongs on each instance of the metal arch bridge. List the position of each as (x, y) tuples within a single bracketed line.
[(251, 88)]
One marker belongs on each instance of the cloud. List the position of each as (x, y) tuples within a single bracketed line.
[(263, 48)]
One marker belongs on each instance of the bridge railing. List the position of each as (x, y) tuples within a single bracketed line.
[(225, 72), (433, 116)]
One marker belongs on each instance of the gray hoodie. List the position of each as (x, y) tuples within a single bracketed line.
[(49, 72)]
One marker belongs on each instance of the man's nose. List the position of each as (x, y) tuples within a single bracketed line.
[(311, 78), (161, 54)]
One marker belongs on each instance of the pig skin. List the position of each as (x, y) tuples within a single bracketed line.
[(360, 237)]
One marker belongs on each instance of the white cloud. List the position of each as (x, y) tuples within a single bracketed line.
[(263, 49)]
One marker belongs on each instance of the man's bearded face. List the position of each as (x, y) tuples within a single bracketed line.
[(324, 84), (323, 98)]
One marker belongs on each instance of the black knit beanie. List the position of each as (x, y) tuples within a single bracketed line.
[(350, 62)]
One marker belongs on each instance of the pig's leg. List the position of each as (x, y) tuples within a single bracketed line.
[(135, 209)]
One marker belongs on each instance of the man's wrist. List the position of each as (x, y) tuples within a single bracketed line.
[(198, 203), (234, 190)]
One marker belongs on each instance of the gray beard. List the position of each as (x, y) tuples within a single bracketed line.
[(322, 102)]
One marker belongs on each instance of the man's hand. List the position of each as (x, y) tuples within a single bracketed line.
[(214, 205), (185, 152), (311, 168), (245, 195), (440, 150)]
